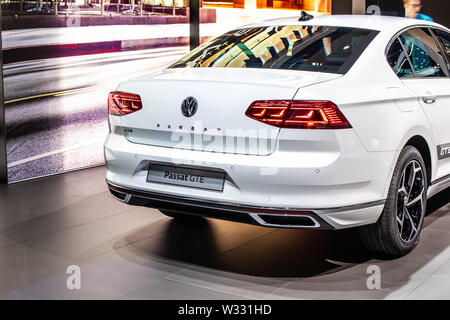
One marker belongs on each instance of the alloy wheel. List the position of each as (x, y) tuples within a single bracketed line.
[(410, 202)]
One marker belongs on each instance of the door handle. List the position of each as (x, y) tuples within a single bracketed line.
[(429, 100)]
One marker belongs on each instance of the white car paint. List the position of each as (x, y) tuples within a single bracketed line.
[(341, 175)]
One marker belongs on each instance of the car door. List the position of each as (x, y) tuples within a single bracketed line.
[(431, 84)]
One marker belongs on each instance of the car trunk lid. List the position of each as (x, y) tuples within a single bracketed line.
[(223, 95)]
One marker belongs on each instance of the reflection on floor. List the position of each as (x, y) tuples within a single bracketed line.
[(127, 252)]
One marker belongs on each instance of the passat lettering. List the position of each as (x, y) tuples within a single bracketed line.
[(176, 176), (184, 177)]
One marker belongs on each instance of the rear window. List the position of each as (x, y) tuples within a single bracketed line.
[(303, 48)]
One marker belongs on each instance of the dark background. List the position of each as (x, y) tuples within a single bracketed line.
[(439, 10)]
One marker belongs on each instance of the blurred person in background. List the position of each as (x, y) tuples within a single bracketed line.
[(412, 10)]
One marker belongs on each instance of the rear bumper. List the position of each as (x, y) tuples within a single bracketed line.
[(293, 218), (327, 173)]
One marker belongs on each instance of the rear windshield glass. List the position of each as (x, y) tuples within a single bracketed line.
[(304, 48)]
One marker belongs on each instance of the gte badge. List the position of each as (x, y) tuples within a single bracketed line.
[(443, 151)]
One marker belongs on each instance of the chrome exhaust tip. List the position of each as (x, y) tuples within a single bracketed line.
[(285, 220), (121, 196)]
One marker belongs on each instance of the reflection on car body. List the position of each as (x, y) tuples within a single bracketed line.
[(330, 123)]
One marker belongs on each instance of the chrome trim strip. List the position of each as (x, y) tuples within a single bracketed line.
[(262, 222), (241, 207), (349, 208), (440, 180)]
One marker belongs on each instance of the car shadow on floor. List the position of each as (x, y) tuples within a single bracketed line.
[(435, 204), (260, 252)]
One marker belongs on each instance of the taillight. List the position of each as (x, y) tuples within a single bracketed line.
[(298, 114), (121, 103)]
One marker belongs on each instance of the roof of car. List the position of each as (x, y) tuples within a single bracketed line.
[(373, 22)]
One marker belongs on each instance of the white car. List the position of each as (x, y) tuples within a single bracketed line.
[(324, 123)]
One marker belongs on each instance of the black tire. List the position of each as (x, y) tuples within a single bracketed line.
[(393, 234), (180, 216)]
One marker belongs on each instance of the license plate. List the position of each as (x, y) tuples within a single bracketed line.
[(203, 179)]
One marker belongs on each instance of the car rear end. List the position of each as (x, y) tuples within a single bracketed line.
[(227, 132)]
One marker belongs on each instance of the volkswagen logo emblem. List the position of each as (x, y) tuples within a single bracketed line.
[(189, 107)]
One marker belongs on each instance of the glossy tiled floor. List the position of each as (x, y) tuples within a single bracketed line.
[(127, 252)]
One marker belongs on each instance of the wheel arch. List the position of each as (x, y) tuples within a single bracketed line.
[(421, 139), (421, 144)]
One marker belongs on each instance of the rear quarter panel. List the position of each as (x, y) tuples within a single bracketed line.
[(382, 111)]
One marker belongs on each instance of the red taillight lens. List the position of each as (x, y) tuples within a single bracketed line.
[(121, 103), (298, 114)]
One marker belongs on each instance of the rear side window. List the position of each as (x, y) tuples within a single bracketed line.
[(304, 48), (444, 37), (399, 61), (423, 51)]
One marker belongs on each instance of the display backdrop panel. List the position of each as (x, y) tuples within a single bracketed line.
[(61, 59), (60, 63), (231, 14)]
